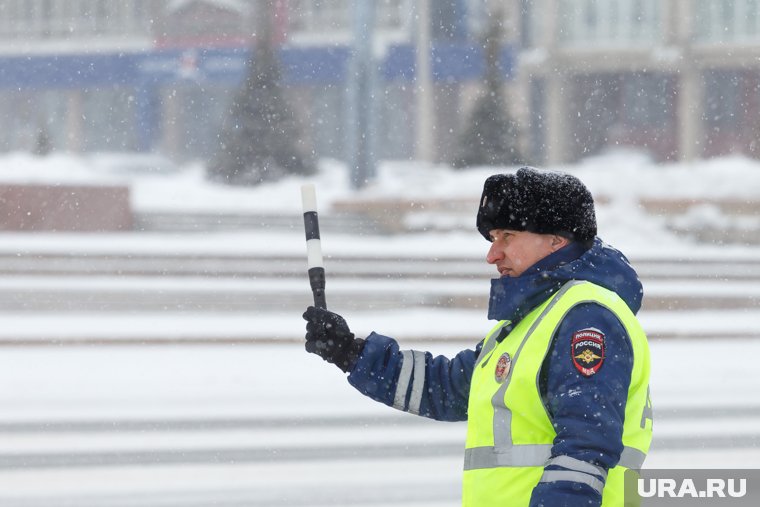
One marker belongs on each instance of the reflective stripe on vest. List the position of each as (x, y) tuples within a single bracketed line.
[(504, 466), (535, 455)]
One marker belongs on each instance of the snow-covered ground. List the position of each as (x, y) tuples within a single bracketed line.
[(265, 423), (271, 425), (618, 179)]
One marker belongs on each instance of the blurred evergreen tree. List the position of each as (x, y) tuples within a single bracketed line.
[(259, 140), (43, 145), (491, 135)]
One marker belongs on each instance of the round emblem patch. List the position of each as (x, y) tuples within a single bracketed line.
[(503, 366)]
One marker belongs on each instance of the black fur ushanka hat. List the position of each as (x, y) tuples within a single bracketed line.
[(543, 202)]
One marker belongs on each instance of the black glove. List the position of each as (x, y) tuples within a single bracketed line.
[(328, 336)]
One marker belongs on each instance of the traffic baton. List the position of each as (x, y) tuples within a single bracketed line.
[(313, 244)]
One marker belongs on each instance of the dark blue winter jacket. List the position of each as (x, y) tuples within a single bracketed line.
[(587, 412)]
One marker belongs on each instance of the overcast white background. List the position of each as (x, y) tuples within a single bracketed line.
[(705, 388)]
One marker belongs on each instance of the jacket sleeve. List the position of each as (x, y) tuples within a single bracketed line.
[(587, 411), (414, 381)]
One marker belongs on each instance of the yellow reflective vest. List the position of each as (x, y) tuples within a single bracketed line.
[(510, 433)]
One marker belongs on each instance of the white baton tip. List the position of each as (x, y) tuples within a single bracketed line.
[(314, 254), (308, 197)]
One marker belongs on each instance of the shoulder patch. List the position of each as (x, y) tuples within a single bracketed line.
[(587, 351)]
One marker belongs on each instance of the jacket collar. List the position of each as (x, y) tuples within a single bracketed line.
[(512, 298)]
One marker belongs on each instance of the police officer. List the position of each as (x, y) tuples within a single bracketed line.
[(556, 396)]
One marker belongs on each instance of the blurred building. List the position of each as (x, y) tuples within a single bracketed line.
[(678, 78), (149, 75)]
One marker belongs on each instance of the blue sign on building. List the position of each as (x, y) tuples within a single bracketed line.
[(147, 73), (300, 66)]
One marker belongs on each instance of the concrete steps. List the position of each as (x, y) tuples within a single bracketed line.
[(52, 297), (83, 282), (256, 265), (217, 221)]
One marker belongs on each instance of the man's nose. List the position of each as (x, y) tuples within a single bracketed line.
[(494, 254)]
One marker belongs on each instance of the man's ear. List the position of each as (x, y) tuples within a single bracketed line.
[(559, 242)]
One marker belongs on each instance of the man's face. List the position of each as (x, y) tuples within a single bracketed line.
[(512, 252)]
